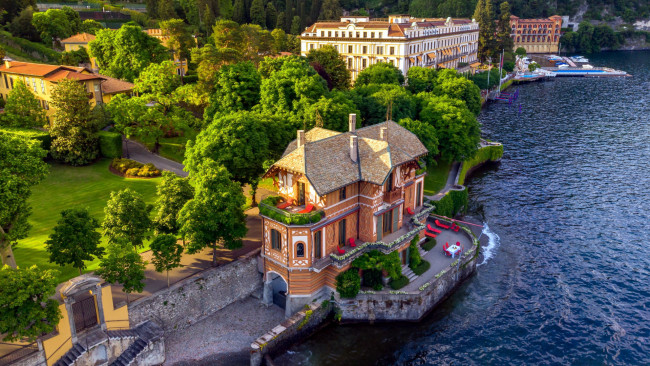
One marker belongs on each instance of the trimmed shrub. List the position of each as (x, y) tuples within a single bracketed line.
[(132, 168), (30, 133), (423, 267), (414, 254), (372, 278), (348, 283), (451, 203), (429, 244), (399, 282), (110, 144)]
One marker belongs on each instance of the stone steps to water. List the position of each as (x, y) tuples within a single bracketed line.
[(406, 271)]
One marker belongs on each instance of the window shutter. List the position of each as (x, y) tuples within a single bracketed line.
[(380, 219), (395, 218)]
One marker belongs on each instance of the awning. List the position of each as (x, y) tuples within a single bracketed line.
[(458, 48), (420, 58), (475, 64), (447, 52), (412, 59), (441, 66)]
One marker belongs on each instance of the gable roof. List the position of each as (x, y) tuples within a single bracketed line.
[(68, 74), (33, 69), (112, 85), (79, 38), (325, 157)]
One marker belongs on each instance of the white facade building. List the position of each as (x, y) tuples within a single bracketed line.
[(402, 40)]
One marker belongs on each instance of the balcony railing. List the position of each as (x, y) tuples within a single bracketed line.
[(290, 218), (392, 196)]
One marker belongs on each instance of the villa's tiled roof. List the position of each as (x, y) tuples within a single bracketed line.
[(112, 85), (67, 74), (325, 157), (79, 38)]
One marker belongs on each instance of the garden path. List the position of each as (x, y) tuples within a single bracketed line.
[(136, 151), (451, 180)]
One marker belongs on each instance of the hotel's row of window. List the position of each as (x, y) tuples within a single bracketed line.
[(533, 39), (529, 26), (350, 34), (29, 82), (379, 50)]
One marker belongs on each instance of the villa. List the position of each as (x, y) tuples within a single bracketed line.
[(338, 191)]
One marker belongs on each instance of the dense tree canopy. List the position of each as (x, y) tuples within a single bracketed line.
[(237, 88), (75, 239), (56, 24), (126, 52), (22, 109), (73, 131), (126, 218), (27, 309), (173, 192), (21, 167), (215, 215), (330, 66), (123, 265), (330, 112), (380, 73), (426, 133)]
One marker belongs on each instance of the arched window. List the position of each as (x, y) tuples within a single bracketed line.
[(300, 250), (276, 240)]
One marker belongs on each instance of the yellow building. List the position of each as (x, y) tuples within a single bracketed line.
[(536, 35), (402, 40), (42, 78), (78, 41), (181, 64)]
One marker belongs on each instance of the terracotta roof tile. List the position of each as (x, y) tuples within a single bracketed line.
[(112, 85), (79, 38), (325, 157), (33, 69), (68, 74)]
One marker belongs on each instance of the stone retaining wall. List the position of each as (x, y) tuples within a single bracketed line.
[(297, 327), (408, 306), (199, 296)]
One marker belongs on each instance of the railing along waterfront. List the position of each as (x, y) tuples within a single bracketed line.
[(290, 218)]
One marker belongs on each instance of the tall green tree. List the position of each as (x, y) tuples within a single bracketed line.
[(126, 218), (226, 9), (331, 10), (75, 239), (421, 79), (179, 39), (279, 41), (460, 88), (173, 192), (73, 131), (484, 16), (91, 26), (125, 52), (27, 309), (457, 129), (271, 15), (330, 112), (503, 38), (237, 141), (216, 213), (22, 108), (21, 167), (21, 26), (426, 133), (166, 253), (296, 25), (123, 265), (56, 24), (257, 13), (237, 88), (239, 12), (165, 9), (330, 66), (380, 73)]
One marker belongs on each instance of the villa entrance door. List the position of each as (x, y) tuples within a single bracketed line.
[(388, 222), (85, 313)]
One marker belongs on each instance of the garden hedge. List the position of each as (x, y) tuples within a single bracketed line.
[(348, 283), (110, 144), (30, 133), (488, 153), (451, 203), (399, 282)]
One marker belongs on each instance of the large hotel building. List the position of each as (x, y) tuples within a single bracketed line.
[(402, 40), (537, 35)]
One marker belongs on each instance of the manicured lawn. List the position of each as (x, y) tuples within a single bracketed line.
[(437, 177), (172, 147), (69, 187)]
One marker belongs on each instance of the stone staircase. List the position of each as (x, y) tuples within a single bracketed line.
[(128, 356), (143, 334), (406, 271), (71, 356)]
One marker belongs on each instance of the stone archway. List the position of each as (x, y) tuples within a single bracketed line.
[(275, 290)]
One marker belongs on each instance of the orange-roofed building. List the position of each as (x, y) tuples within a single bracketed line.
[(338, 191), (402, 40), (537, 35), (78, 41), (42, 78)]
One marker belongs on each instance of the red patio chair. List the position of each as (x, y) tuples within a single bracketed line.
[(307, 209), (341, 251), (440, 224), (455, 227), (431, 235), (432, 229), (445, 247), (352, 243), (408, 209), (285, 204)]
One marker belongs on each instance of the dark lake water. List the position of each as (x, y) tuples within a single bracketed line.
[(566, 278)]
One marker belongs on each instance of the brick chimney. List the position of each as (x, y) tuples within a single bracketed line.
[(354, 148), (383, 133), (301, 138), (353, 122)]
